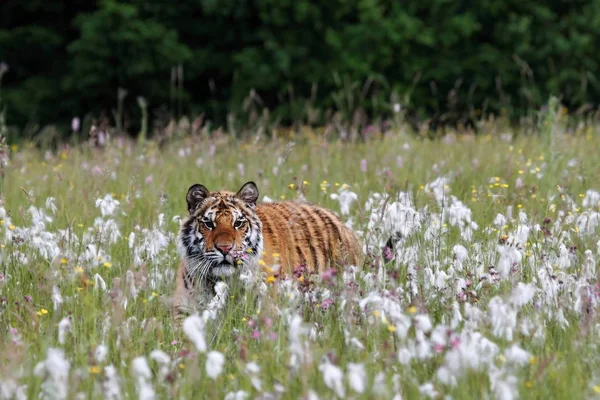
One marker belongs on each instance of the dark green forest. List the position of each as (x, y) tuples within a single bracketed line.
[(301, 60)]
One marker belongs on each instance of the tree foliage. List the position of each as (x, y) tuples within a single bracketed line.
[(69, 58)]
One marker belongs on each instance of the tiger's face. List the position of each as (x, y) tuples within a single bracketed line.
[(221, 233)]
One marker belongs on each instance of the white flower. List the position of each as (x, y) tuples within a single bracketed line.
[(51, 204), (163, 360), (55, 372), (214, 364), (239, 395), (503, 318), (107, 205), (64, 326), (522, 294), (591, 199), (253, 369), (101, 353), (193, 326), (111, 388), (357, 377), (333, 377), (346, 198), (517, 355), (428, 390), (143, 376), (57, 299)]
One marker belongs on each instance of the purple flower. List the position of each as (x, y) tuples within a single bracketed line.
[(28, 299), (387, 254), (328, 274), (149, 179), (255, 334), (326, 303)]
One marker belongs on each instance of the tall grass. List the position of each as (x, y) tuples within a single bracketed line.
[(384, 331)]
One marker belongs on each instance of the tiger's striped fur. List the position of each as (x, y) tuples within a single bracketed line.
[(225, 231)]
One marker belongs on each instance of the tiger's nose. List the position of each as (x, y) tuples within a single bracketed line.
[(224, 248)]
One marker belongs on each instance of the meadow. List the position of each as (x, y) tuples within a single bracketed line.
[(493, 291)]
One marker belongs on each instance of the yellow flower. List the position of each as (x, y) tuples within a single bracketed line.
[(63, 261), (12, 227), (337, 184), (412, 309), (520, 172), (1, 222), (597, 389), (528, 384), (107, 264), (244, 319), (532, 360), (262, 262), (249, 250), (154, 294), (391, 328), (79, 269), (376, 314), (43, 311), (301, 279), (305, 183), (94, 370), (80, 225), (276, 255), (519, 205), (181, 366), (282, 197), (292, 186), (270, 279)]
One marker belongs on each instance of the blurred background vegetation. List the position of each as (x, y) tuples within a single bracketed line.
[(291, 62)]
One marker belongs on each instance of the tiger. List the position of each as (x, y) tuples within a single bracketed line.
[(225, 231)]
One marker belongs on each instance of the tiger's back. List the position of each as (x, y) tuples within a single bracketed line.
[(304, 234)]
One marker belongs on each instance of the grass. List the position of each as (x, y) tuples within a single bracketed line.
[(376, 322)]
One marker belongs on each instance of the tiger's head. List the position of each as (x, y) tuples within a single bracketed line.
[(221, 233)]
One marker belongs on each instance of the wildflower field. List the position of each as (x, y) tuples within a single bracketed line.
[(492, 292)]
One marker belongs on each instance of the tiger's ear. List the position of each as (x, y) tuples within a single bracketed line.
[(248, 193), (196, 195)]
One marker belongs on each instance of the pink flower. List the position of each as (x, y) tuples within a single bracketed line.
[(438, 348), (363, 165), (75, 124), (454, 342), (28, 299), (149, 179), (255, 334), (399, 161), (174, 342)]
